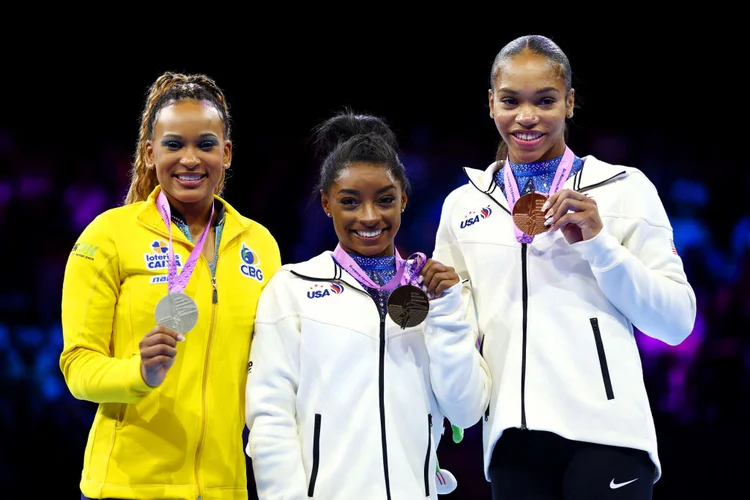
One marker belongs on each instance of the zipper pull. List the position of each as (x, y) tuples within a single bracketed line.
[(215, 295)]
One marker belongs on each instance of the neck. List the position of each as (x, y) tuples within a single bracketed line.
[(387, 252), (195, 214), (553, 152)]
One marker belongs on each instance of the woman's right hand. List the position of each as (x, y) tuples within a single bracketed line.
[(158, 350)]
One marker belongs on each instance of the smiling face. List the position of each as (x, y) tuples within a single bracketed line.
[(529, 105), (189, 152), (365, 202)]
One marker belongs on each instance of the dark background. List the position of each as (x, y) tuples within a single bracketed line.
[(667, 97)]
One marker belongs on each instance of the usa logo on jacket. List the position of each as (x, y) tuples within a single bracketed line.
[(476, 216), (318, 291)]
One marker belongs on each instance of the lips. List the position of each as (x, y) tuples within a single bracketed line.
[(190, 177), (527, 135), (369, 233)]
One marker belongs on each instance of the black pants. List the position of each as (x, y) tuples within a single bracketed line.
[(539, 465)]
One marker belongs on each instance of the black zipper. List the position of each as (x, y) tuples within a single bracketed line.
[(381, 391), (316, 456), (525, 321), (427, 457), (481, 353), (602, 358), (525, 301), (338, 272)]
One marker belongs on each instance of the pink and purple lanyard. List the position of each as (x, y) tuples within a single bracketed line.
[(177, 283), (512, 194), (406, 274)]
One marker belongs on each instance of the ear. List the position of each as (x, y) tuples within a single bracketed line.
[(491, 100), (325, 202), (404, 199), (149, 155), (227, 154), (570, 102)]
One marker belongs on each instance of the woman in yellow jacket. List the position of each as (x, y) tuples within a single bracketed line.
[(159, 300)]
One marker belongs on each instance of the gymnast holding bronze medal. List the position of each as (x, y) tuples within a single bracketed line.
[(359, 353)]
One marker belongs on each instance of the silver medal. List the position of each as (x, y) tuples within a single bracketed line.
[(177, 311)]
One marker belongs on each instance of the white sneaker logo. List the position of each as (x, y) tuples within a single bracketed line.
[(614, 485)]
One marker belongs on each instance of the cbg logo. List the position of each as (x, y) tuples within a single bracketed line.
[(317, 291), (474, 217), (250, 263)]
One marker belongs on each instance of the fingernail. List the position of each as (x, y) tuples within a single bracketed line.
[(180, 337), (545, 206), (548, 222), (549, 214)]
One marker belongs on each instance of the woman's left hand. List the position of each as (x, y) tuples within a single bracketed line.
[(574, 213), (437, 277)]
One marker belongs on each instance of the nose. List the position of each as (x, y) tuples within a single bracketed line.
[(190, 158), (370, 215), (527, 116)]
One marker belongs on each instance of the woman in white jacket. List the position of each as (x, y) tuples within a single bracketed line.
[(352, 367), (565, 255)]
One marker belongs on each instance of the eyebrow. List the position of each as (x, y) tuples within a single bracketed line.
[(540, 91), (355, 192), (202, 136)]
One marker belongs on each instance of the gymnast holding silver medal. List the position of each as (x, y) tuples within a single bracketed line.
[(359, 353), (159, 301)]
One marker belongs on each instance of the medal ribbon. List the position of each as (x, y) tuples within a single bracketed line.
[(512, 193), (406, 274), (175, 282)]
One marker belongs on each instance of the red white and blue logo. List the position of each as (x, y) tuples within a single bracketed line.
[(320, 290), (475, 216)]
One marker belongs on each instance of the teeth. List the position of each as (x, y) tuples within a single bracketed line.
[(189, 177), (528, 136), (369, 234)]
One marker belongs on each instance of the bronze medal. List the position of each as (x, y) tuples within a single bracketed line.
[(528, 215), (408, 306)]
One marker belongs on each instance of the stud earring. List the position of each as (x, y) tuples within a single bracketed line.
[(329, 214)]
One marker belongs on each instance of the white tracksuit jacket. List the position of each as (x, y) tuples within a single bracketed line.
[(556, 319), (342, 403)]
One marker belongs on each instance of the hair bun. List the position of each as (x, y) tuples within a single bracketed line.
[(345, 125)]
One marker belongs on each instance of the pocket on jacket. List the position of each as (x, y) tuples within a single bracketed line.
[(316, 456), (602, 358)]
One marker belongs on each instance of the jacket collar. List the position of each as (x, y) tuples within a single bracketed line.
[(594, 173), (323, 268), (149, 215)]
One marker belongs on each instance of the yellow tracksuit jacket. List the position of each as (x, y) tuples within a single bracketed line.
[(184, 438)]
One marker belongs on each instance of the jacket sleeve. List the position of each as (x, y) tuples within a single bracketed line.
[(272, 258), (446, 246), (459, 374), (91, 287), (639, 271), (270, 398)]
